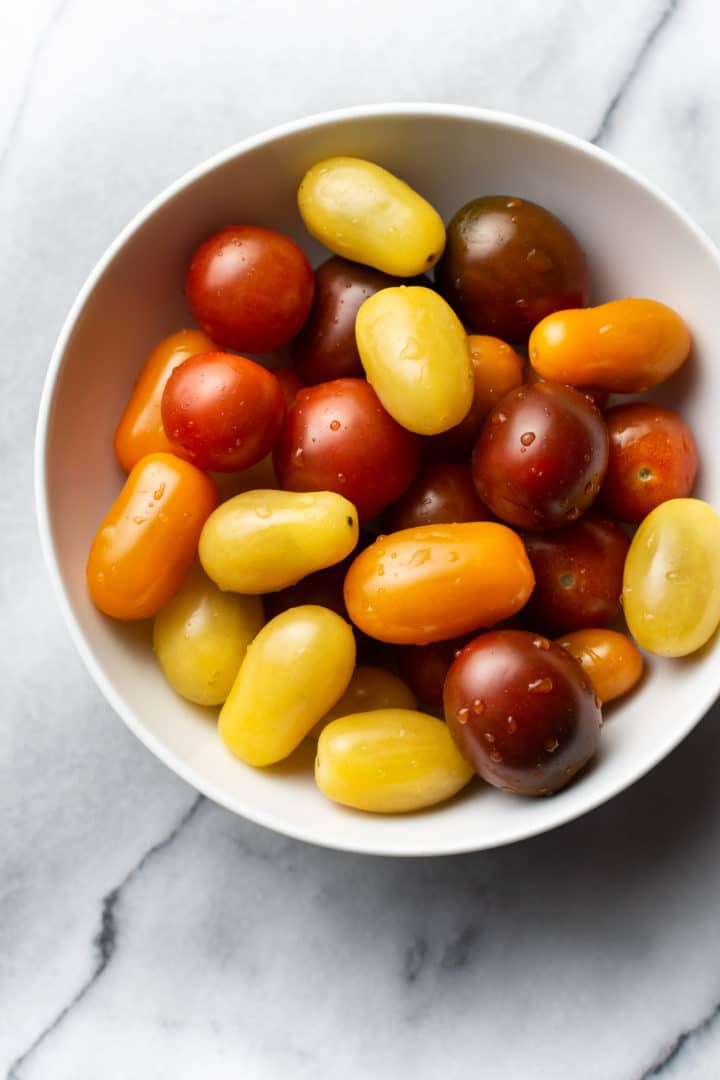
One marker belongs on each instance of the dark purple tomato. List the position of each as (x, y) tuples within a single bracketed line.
[(338, 437), (578, 575), (522, 711), (442, 492), (541, 456), (507, 264), (424, 668)]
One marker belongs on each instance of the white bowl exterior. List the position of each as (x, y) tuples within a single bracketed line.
[(638, 244)]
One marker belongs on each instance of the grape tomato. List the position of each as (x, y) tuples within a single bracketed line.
[(612, 662)]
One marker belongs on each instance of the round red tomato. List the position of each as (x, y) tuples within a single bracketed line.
[(338, 437), (442, 492), (653, 458), (250, 288), (222, 411)]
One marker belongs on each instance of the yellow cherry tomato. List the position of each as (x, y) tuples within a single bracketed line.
[(416, 357), (434, 582), (140, 431), (624, 346), (201, 635), (389, 761), (611, 660), (671, 586), (263, 541), (370, 688), (362, 211), (147, 541), (293, 672)]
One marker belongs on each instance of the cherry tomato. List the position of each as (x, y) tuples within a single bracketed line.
[(508, 263), (293, 672), (290, 383), (369, 689), (522, 711), (338, 437), (443, 492), (624, 346), (360, 210), (325, 348), (224, 411), (496, 369), (613, 662), (436, 582), (140, 431), (250, 288), (415, 355), (578, 574), (541, 456), (599, 398), (653, 458), (389, 761), (148, 539), (262, 541), (671, 587), (424, 668)]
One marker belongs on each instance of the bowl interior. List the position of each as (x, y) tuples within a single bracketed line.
[(637, 243)]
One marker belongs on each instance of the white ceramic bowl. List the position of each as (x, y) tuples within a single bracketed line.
[(638, 244)]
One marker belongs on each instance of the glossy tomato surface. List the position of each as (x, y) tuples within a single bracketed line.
[(541, 456), (338, 437), (224, 411), (522, 711), (508, 263), (250, 288), (442, 492)]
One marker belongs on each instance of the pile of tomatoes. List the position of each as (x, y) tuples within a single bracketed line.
[(437, 486)]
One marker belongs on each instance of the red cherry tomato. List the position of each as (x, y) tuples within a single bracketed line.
[(578, 575), (224, 411), (338, 437), (443, 492), (653, 458), (250, 288)]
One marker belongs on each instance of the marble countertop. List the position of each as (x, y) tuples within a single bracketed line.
[(146, 933)]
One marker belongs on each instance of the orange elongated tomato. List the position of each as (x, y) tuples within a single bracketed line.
[(624, 346), (140, 431), (435, 582), (148, 539)]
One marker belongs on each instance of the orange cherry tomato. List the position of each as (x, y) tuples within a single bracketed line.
[(148, 540), (141, 430), (496, 369), (435, 582), (624, 346), (612, 662)]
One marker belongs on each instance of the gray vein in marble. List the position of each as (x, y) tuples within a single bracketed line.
[(676, 1047), (42, 40), (105, 941), (661, 22)]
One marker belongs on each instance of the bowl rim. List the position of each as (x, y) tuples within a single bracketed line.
[(493, 118)]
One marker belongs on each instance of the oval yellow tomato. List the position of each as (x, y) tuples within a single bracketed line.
[(671, 585), (416, 357), (389, 761), (435, 582), (361, 211), (293, 672)]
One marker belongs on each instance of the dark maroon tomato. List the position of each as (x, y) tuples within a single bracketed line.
[(325, 349), (222, 411), (599, 398), (507, 264), (522, 711), (578, 575), (653, 458), (338, 437), (250, 288), (541, 456), (424, 668), (442, 492)]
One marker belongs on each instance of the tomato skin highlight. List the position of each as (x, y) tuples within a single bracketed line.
[(140, 431), (148, 539), (223, 411), (436, 582), (250, 288)]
